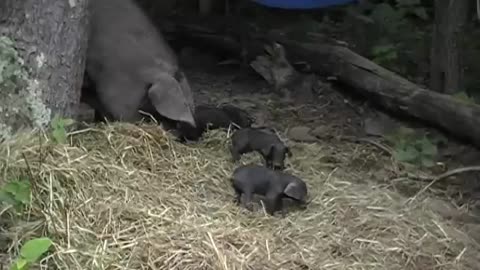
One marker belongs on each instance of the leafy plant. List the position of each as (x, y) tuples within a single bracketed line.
[(388, 18), (59, 131), (462, 96), (412, 7), (411, 148), (16, 193), (31, 252), (384, 54)]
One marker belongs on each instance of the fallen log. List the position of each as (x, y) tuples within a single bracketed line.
[(380, 85)]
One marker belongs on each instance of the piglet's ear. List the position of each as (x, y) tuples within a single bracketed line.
[(267, 151), (295, 191), (289, 153)]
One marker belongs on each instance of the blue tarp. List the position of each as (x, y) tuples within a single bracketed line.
[(302, 4)]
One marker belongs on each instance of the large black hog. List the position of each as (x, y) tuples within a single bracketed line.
[(132, 66), (248, 180), (262, 140), (211, 117), (90, 97)]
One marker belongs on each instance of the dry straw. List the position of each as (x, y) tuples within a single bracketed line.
[(129, 197)]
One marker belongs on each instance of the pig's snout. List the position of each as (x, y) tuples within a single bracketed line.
[(278, 167), (278, 164)]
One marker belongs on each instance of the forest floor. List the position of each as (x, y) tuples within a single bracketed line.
[(130, 197)]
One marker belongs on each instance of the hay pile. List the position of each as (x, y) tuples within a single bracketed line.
[(127, 197)]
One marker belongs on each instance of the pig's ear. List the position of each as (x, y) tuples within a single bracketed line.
[(295, 191), (186, 90), (169, 100), (268, 151)]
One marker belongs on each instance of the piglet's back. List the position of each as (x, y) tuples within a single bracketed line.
[(250, 174), (260, 138)]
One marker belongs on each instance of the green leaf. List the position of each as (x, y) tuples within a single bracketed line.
[(21, 264), (22, 193), (462, 96), (35, 248), (60, 135), (392, 55), (7, 198), (428, 148), (406, 155), (382, 49), (387, 17), (18, 191), (58, 125), (68, 122), (54, 121), (426, 162)]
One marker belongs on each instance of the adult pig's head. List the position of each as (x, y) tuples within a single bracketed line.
[(172, 97)]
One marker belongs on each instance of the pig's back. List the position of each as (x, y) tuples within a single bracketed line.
[(124, 39)]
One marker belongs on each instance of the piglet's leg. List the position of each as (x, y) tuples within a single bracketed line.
[(273, 202), (280, 206), (247, 200), (238, 196), (267, 160), (268, 163), (235, 154)]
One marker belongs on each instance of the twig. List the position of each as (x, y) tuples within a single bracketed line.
[(33, 178), (40, 156), (30, 172), (385, 148), (445, 175)]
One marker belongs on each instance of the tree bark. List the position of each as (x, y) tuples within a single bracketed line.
[(51, 37), (446, 69), (380, 85)]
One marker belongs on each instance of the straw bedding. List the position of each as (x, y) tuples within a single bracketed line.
[(129, 197)]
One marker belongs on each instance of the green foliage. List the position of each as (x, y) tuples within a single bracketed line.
[(16, 194), (31, 252), (412, 7), (462, 96), (399, 38), (59, 131), (388, 18), (395, 11), (413, 148), (384, 54)]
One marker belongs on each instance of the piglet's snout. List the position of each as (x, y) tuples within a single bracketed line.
[(278, 167)]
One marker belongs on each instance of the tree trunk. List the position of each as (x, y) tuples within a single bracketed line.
[(51, 38), (446, 69)]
